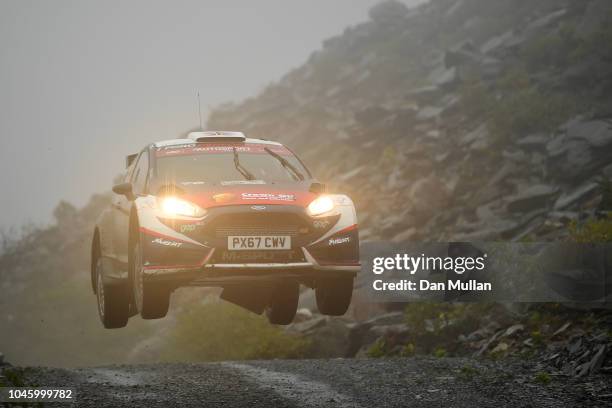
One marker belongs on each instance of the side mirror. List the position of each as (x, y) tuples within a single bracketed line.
[(124, 189)]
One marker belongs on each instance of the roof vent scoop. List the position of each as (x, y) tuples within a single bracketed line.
[(217, 136)]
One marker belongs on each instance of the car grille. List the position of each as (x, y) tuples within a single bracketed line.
[(258, 224), (231, 257)]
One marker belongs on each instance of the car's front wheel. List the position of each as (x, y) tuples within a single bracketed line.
[(283, 303), (113, 300), (151, 299), (334, 295)]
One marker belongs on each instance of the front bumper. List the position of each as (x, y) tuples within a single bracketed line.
[(222, 274), (198, 254)]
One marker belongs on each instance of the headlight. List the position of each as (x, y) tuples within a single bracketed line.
[(173, 206), (320, 206)]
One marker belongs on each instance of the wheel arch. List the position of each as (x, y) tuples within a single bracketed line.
[(134, 228), (133, 236), (96, 252)]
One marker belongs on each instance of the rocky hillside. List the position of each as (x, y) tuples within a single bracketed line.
[(459, 119)]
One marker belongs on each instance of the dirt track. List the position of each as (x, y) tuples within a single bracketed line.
[(401, 382)]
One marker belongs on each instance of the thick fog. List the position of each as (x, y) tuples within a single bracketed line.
[(83, 83)]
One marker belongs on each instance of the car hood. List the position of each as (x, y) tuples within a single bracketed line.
[(208, 195)]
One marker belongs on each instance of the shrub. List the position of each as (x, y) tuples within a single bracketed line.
[(542, 378), (605, 187), (408, 350), (222, 331), (537, 338), (476, 98), (597, 43), (378, 349), (440, 352), (530, 110), (441, 314), (468, 372), (551, 49), (593, 230), (14, 377)]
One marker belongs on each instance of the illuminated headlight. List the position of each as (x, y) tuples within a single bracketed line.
[(173, 207), (320, 206)]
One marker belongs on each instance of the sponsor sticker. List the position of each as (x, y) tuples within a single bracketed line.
[(257, 148), (187, 228), (193, 183), (165, 242), (223, 197), (268, 196), (241, 182), (338, 241)]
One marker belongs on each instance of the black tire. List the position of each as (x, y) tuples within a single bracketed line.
[(113, 300), (152, 300), (334, 295), (283, 303)]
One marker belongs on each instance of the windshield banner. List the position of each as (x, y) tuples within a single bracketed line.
[(213, 148)]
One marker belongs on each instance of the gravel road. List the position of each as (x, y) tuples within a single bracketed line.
[(400, 382)]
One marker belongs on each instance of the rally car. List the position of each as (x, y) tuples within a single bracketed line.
[(218, 209)]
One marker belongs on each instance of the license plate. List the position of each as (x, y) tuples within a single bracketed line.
[(260, 242)]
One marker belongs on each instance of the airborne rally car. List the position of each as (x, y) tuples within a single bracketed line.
[(221, 210)]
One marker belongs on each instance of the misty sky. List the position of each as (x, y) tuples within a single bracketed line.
[(83, 83)]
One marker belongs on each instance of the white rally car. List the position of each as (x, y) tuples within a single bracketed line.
[(219, 209)]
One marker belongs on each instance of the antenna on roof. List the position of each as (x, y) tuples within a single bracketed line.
[(200, 110)]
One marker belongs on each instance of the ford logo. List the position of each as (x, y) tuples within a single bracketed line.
[(258, 207)]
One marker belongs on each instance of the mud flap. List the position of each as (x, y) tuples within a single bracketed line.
[(253, 299)]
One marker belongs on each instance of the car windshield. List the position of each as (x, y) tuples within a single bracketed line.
[(218, 163)]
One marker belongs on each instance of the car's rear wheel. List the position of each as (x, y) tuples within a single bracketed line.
[(151, 299), (334, 295), (283, 303), (113, 300)]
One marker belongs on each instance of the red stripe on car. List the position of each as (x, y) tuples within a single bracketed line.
[(160, 235)]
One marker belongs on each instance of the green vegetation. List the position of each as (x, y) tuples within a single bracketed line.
[(536, 337), (605, 187), (14, 377), (542, 378), (514, 106), (566, 46), (437, 316), (530, 110), (542, 315), (596, 230), (407, 350), (216, 331), (557, 48), (440, 352), (388, 158), (468, 372), (593, 230), (476, 98), (595, 44), (378, 349)]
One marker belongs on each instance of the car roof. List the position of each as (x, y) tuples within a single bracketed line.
[(190, 140)]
